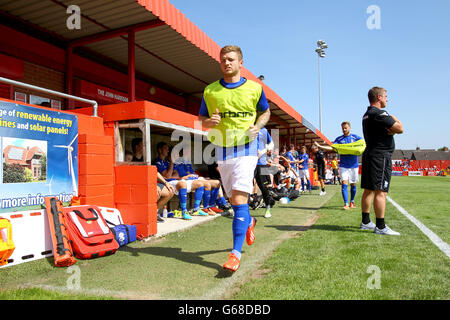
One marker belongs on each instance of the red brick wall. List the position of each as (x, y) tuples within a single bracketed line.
[(5, 91), (35, 52), (42, 77)]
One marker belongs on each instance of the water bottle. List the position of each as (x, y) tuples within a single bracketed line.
[(285, 200), (165, 212)]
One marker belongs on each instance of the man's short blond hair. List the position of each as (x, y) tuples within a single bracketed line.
[(231, 48), (347, 123), (374, 93)]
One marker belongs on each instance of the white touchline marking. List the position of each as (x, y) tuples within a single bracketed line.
[(441, 244)]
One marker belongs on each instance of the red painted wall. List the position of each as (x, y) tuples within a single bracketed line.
[(25, 48)]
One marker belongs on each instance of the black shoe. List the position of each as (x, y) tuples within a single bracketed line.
[(259, 202), (159, 219), (225, 207), (274, 195)]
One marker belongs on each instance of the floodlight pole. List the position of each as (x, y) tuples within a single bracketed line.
[(321, 45), (320, 97)]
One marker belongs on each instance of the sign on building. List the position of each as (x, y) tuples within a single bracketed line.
[(39, 156)]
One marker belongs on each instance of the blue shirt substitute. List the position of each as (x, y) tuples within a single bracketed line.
[(162, 165), (291, 156), (347, 160), (249, 149), (264, 139), (184, 168), (304, 164)]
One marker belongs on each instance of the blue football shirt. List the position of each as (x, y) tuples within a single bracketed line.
[(264, 139), (304, 164), (347, 160)]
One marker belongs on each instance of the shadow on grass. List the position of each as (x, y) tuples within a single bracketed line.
[(301, 208), (329, 227), (179, 254), (229, 216), (289, 228), (315, 226), (310, 208)]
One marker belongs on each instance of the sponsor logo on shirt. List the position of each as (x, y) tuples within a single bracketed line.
[(232, 114)]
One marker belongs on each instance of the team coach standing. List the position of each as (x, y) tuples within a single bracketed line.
[(379, 128)]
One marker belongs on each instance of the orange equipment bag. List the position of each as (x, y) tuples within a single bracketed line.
[(6, 243), (75, 201), (89, 234), (62, 249)]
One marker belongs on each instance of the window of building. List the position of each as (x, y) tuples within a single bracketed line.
[(136, 140), (131, 141)]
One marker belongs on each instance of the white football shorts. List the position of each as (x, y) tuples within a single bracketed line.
[(349, 174), (238, 174), (303, 174), (188, 185)]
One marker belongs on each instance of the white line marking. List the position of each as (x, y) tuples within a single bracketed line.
[(441, 244)]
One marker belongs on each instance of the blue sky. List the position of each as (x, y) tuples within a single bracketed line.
[(409, 56)]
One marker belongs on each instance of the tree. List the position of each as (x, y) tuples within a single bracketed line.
[(28, 175), (13, 173), (43, 164)]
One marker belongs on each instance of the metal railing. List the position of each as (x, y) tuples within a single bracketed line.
[(55, 93)]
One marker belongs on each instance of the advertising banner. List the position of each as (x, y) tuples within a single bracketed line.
[(397, 173), (414, 173), (39, 156)]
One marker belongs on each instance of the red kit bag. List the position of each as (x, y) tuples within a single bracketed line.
[(89, 233)]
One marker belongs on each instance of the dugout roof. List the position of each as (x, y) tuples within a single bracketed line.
[(168, 48)]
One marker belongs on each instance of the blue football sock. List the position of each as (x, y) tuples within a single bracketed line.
[(345, 193), (352, 193), (309, 185), (250, 223), (206, 196), (182, 196), (221, 201), (241, 222), (303, 184), (198, 195), (213, 198)]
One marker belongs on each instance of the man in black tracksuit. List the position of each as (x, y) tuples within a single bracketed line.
[(379, 128), (319, 158)]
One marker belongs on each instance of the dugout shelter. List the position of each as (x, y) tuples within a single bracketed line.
[(144, 63)]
